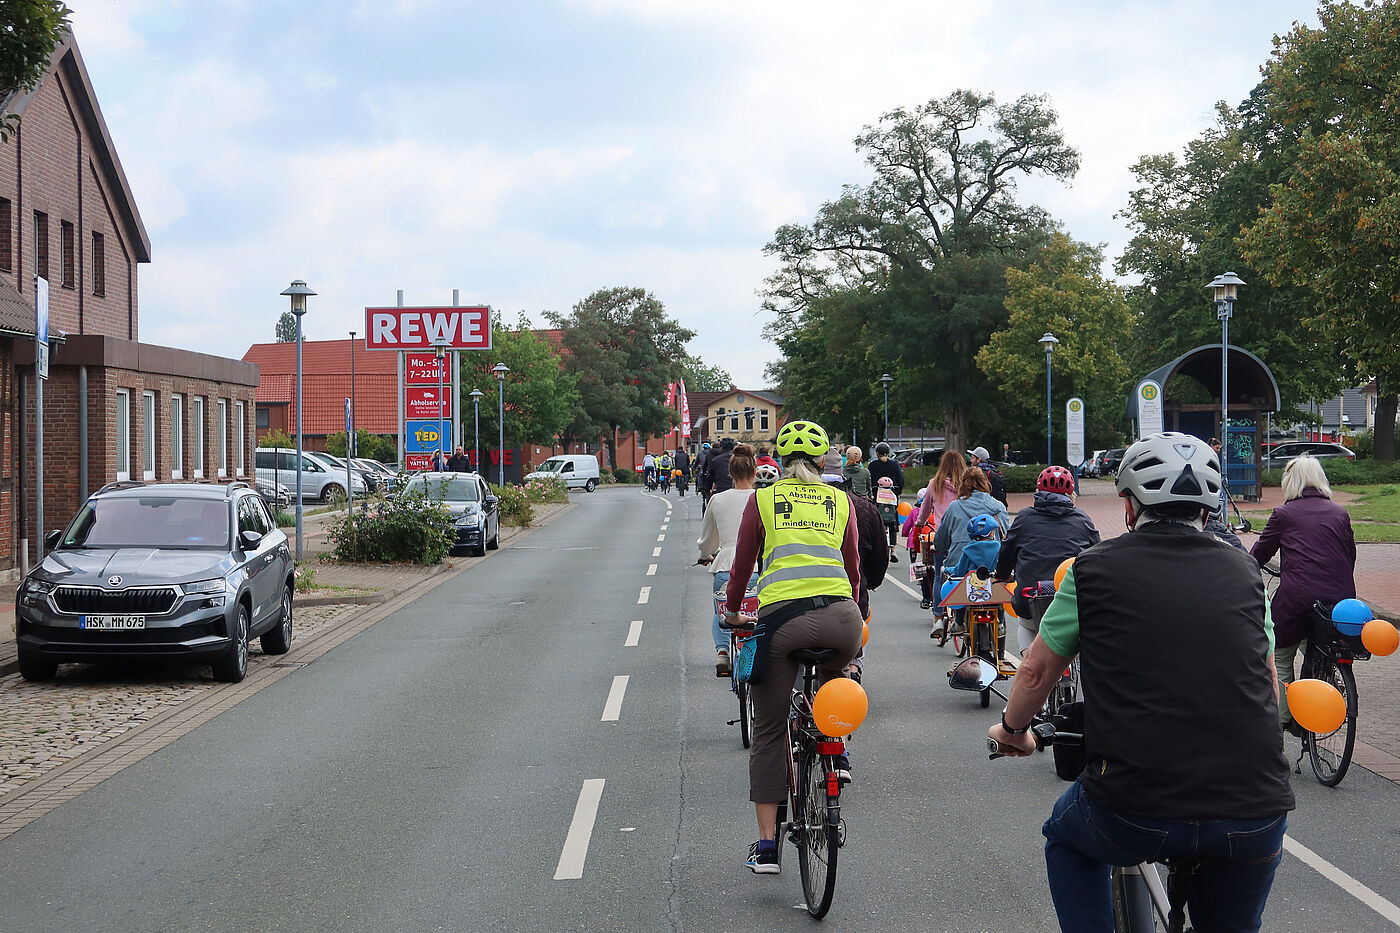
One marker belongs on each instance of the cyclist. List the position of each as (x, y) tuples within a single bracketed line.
[(683, 464), (974, 498), (940, 492), (804, 531), (766, 475), (1184, 758), (1042, 537), (716, 477), (874, 563), (649, 470), (1313, 536), (885, 468), (856, 476), (719, 530)]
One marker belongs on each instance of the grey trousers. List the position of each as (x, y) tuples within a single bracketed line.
[(835, 626)]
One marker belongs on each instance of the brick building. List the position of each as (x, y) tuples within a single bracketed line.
[(114, 408)]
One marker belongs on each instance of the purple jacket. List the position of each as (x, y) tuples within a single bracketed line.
[(1318, 558)]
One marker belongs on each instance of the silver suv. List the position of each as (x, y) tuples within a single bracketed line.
[(181, 570), (320, 478)]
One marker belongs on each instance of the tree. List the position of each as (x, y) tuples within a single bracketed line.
[(370, 446), (287, 328), (929, 239), (701, 378), (29, 32), (540, 394), (623, 349), (1063, 293), (277, 438), (1333, 225)]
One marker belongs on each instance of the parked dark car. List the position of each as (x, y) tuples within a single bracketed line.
[(179, 570), (1279, 454), (476, 519), (919, 456), (1112, 460)]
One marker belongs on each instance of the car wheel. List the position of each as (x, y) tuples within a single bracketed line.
[(278, 639), (495, 541), (232, 665), (332, 492), (36, 667), (591, 485)]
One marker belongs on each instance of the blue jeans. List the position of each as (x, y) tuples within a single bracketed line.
[(1226, 894), (721, 636)]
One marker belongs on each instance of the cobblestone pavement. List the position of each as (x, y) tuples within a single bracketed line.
[(48, 724)]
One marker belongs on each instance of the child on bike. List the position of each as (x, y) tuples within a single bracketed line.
[(982, 547)]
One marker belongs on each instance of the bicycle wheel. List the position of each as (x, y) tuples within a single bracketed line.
[(978, 638), (817, 833), (1330, 753), (745, 713)]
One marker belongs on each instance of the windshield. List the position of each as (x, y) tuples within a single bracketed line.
[(551, 466), (150, 521), (444, 488)]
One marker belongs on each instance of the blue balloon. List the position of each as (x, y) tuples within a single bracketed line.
[(948, 587), (1352, 611)]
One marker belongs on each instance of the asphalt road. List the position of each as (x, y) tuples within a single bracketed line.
[(436, 773)]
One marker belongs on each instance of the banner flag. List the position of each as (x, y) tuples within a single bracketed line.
[(670, 394), (685, 412)]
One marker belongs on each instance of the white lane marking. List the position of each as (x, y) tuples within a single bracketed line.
[(634, 634), (651, 570), (656, 552), (613, 706), (1342, 880), (580, 831), (660, 537), (906, 589), (663, 527), (643, 596)]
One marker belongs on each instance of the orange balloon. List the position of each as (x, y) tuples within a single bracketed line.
[(864, 633), (1380, 637), (904, 509), (839, 707), (1061, 570), (1317, 705)]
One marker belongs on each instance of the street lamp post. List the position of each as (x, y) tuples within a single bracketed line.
[(1225, 288), (351, 448), (1048, 342), (298, 293), (476, 428), (500, 369), (440, 348), (885, 380)]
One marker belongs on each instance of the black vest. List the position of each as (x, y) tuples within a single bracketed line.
[(1181, 720)]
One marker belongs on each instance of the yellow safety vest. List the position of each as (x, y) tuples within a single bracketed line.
[(803, 527)]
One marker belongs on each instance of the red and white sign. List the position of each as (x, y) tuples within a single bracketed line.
[(423, 369), (421, 328), (418, 462), (421, 403)]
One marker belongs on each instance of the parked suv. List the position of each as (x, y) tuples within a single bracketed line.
[(318, 480), (187, 570)]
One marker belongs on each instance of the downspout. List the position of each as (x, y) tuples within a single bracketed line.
[(82, 434)]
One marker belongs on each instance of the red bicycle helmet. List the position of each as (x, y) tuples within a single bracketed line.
[(1055, 479)]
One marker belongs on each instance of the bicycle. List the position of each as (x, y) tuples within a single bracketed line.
[(748, 614), (814, 789), (1329, 658), (1067, 690), (983, 619)]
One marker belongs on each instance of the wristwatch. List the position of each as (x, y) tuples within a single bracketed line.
[(1010, 731)]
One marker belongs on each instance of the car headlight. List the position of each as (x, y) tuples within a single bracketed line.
[(36, 587), (215, 586), (468, 519)]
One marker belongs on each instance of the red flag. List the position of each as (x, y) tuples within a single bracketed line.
[(685, 412), (670, 394)]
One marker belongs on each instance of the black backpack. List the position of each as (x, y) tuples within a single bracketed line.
[(998, 483)]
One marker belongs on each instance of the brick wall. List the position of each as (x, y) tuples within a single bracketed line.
[(49, 166)]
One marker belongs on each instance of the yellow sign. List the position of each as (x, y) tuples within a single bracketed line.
[(1149, 392), (427, 436), (814, 502)]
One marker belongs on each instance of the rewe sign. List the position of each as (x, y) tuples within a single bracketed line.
[(422, 328)]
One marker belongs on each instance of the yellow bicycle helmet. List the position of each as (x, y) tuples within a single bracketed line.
[(804, 438)]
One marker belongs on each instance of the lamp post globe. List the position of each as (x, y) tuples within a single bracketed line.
[(476, 429), (298, 293), (885, 380), (1225, 289), (500, 369), (1048, 342)]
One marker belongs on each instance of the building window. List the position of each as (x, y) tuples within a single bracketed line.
[(763, 419), (99, 265), (748, 419), (719, 420), (66, 254), (41, 244), (148, 435), (5, 235), (177, 437), (221, 443), (263, 418), (241, 424), (734, 421), (123, 434), (197, 440)]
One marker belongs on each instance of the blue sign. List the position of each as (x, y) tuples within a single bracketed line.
[(347, 417), (423, 437)]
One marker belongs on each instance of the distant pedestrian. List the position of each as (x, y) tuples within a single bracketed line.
[(459, 462), (981, 460), (439, 463), (856, 476)]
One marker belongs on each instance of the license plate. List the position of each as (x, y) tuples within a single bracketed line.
[(112, 623)]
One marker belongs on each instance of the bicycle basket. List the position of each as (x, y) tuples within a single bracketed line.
[(746, 663), (1331, 642)]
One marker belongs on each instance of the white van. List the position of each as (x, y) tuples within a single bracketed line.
[(576, 470)]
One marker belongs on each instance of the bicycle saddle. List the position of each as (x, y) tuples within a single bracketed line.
[(816, 656)]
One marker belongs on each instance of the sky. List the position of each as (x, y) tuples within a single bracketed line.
[(529, 153)]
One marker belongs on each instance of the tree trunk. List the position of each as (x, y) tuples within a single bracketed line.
[(1385, 426), (955, 428), (612, 446)]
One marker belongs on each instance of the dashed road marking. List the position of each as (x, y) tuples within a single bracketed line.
[(580, 831), (651, 570), (656, 552), (660, 537), (663, 527), (643, 596), (634, 634), (613, 707)]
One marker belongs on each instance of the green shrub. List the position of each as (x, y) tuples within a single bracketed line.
[(605, 476), (1364, 444), (1021, 478), (551, 489), (408, 528), (285, 519), (625, 475), (277, 439), (514, 506), (1343, 472)]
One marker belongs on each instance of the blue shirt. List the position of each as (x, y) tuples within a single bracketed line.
[(976, 554)]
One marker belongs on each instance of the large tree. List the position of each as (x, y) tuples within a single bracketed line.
[(930, 237), (1062, 293), (540, 393), (701, 377), (29, 32), (287, 328), (1333, 226), (623, 349)]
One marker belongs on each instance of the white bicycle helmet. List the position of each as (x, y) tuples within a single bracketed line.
[(1171, 467), (766, 473)]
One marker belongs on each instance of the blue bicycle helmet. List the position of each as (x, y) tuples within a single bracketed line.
[(981, 526)]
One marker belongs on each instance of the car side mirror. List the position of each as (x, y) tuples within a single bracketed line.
[(491, 501), (52, 538), (249, 540)]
